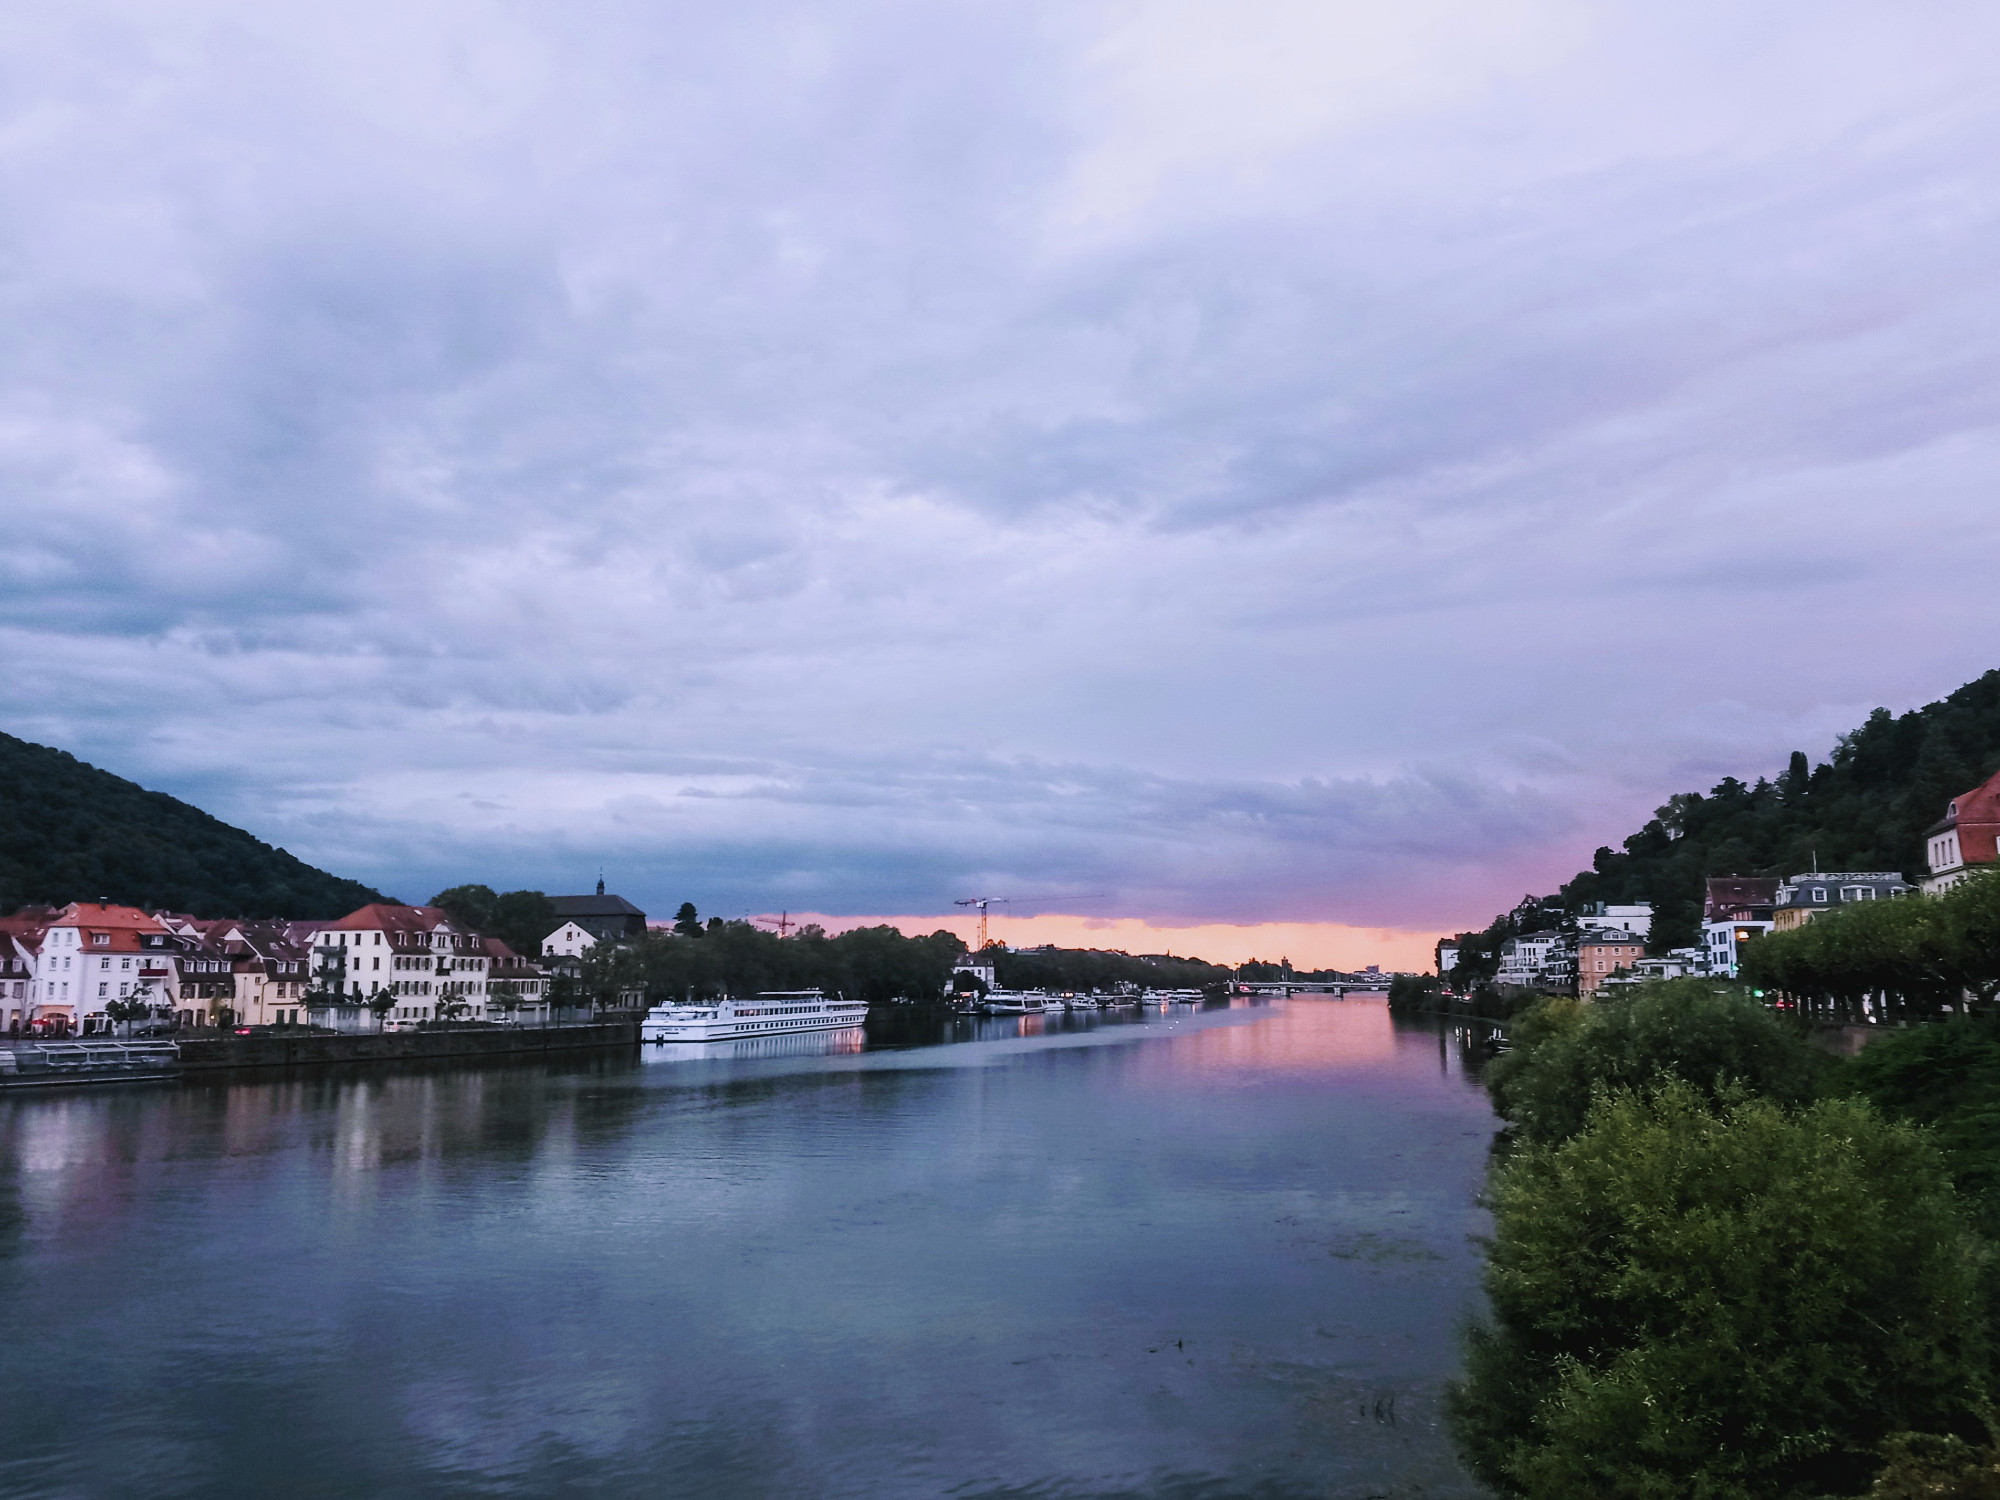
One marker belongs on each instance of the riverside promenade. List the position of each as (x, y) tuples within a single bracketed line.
[(54, 1064)]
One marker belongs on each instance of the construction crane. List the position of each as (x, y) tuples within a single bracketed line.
[(982, 902)]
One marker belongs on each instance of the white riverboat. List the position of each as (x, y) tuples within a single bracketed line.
[(774, 1013), (1016, 1003)]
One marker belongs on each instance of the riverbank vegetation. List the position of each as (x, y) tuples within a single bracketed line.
[(1726, 1264), (1916, 957), (1081, 970), (692, 961)]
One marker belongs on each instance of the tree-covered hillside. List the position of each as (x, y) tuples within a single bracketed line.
[(1864, 808), (70, 832)]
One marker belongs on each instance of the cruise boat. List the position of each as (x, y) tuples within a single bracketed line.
[(773, 1013), (1016, 1003)]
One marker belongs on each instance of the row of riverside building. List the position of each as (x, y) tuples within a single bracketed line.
[(78, 969), (1608, 948)]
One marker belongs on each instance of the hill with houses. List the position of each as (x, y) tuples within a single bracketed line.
[(70, 832), (1865, 807)]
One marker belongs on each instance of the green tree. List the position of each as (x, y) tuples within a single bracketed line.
[(521, 919), (380, 1002), (1564, 1051), (1723, 1301), (1946, 1077), (124, 1012), (562, 994), (470, 906), (687, 921), (1937, 1466)]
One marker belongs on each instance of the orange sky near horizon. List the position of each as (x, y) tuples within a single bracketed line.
[(1309, 945)]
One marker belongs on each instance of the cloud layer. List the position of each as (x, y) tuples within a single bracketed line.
[(1306, 462)]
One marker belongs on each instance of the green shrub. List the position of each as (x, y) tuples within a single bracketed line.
[(1946, 1076), (1925, 1466), (1682, 1028), (1720, 1301)]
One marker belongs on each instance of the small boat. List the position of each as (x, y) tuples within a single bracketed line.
[(1080, 1002), (773, 1013)]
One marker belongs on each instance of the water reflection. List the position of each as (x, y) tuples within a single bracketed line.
[(1140, 1253)]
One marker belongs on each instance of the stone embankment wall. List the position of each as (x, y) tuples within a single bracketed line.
[(280, 1051)]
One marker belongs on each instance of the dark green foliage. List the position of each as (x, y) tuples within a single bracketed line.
[(874, 964), (1925, 952), (70, 832), (1080, 970), (520, 919), (1945, 1076), (1564, 1050), (1720, 1301), (1931, 1466), (1410, 993), (1866, 808)]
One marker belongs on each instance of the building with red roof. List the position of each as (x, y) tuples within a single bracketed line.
[(1965, 838)]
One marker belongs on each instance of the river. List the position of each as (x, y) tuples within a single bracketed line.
[(1192, 1255)]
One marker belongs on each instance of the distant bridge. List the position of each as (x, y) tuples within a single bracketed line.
[(1294, 987)]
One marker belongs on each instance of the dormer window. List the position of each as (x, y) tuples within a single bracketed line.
[(1951, 811), (1819, 895)]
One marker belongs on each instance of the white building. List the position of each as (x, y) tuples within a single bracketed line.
[(1530, 958), (568, 941), (979, 965), (87, 955), (413, 960), (1637, 920), (1723, 943), (1447, 959)]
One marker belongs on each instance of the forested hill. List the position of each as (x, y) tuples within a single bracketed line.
[(70, 832), (1865, 808)]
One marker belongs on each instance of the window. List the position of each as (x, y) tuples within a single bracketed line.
[(1819, 894)]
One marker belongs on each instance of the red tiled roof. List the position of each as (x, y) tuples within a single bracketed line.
[(380, 915), (1976, 815)]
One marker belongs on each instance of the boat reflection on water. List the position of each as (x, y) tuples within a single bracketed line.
[(833, 1043)]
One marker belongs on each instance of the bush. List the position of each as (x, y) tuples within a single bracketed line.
[(1946, 1076), (1924, 1466), (1692, 1299), (1565, 1049)]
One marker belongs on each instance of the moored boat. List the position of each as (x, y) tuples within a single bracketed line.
[(1015, 1003), (773, 1013)]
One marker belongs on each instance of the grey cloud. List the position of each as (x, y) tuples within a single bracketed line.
[(1360, 517)]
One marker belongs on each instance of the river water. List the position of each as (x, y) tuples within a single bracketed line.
[(1191, 1255)]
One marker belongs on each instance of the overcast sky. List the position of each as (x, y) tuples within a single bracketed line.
[(1298, 462)]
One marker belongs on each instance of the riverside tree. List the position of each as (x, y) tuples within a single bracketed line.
[(1922, 954), (873, 964), (1945, 1077), (1697, 1297), (1565, 1051)]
